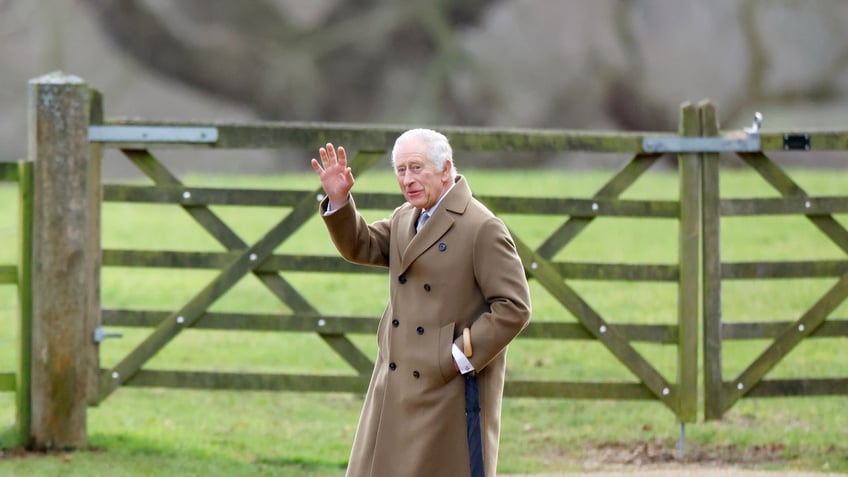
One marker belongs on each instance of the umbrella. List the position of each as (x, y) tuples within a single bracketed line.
[(472, 413)]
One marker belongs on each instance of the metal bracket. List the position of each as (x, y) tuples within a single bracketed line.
[(796, 142), (747, 140), (100, 334), (153, 134), (748, 143)]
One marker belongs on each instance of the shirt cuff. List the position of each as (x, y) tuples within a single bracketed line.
[(330, 210), (461, 360)]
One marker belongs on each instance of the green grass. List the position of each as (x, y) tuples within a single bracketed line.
[(167, 432)]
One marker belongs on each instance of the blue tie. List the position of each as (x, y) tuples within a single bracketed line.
[(422, 219)]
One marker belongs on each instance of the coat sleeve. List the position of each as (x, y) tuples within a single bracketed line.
[(500, 276), (356, 240)]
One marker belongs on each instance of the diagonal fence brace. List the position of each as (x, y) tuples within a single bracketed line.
[(546, 274), (194, 310)]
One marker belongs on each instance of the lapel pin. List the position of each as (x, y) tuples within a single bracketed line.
[(442, 247)]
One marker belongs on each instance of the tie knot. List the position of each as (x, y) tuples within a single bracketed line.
[(422, 219)]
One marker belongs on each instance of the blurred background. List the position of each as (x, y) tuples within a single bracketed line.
[(605, 64)]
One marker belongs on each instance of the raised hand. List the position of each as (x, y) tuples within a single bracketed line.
[(336, 176)]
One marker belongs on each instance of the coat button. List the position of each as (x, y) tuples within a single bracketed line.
[(395, 323), (416, 374), (402, 279), (392, 366), (426, 287), (420, 330)]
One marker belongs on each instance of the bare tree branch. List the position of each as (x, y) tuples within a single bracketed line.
[(234, 72)]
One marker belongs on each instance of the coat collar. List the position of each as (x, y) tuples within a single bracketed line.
[(412, 245)]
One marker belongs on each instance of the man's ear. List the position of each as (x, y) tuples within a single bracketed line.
[(446, 173)]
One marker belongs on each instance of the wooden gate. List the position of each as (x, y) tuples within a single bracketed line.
[(721, 393), (16, 379), (8, 273), (138, 141)]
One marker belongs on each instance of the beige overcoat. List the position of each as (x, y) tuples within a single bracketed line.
[(461, 270)]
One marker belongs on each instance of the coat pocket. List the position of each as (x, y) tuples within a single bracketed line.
[(446, 366)]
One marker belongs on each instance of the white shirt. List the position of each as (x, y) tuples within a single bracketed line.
[(433, 209), (459, 357)]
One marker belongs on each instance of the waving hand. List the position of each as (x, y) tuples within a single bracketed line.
[(336, 176)]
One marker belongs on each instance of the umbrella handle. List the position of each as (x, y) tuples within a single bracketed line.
[(466, 342)]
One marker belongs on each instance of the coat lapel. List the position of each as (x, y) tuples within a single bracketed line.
[(405, 231), (452, 205)]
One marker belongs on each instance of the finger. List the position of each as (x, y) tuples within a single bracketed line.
[(317, 166), (323, 154), (342, 157), (331, 153)]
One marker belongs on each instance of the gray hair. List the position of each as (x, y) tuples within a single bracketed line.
[(437, 145)]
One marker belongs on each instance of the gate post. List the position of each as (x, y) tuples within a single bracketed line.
[(23, 394), (688, 251), (61, 273), (94, 195), (711, 279)]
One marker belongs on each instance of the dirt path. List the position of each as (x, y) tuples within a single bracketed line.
[(659, 458), (684, 470)]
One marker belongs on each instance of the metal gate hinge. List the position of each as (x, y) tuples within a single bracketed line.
[(100, 334), (747, 140), (153, 134)]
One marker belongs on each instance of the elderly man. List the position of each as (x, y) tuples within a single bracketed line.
[(452, 266)]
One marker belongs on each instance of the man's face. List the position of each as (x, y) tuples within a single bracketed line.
[(421, 184)]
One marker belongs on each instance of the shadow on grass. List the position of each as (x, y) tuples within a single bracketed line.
[(299, 463), (210, 461), (147, 447), (130, 456)]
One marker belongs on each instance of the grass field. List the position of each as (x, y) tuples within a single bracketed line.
[(139, 432)]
